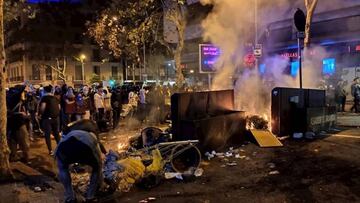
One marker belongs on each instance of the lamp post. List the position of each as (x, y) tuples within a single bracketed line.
[(82, 59)]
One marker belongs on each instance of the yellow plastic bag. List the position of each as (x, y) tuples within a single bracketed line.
[(157, 163), (134, 170)]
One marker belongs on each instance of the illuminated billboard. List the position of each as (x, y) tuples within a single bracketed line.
[(208, 56)]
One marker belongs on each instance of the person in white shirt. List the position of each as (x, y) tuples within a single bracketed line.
[(100, 108)]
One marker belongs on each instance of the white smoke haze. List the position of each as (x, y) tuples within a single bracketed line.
[(230, 26)]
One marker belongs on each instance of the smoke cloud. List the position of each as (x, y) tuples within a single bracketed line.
[(230, 27)]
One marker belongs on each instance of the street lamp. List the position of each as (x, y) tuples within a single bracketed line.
[(82, 59)]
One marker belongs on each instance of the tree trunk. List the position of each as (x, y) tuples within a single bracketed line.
[(310, 8), (177, 57), (5, 171)]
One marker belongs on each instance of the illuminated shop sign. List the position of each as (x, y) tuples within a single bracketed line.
[(290, 55), (357, 48), (208, 56), (295, 54), (329, 65), (294, 68)]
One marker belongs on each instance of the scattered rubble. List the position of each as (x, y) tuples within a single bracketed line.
[(198, 172), (173, 175), (274, 172), (231, 164), (271, 165), (298, 135), (149, 199)]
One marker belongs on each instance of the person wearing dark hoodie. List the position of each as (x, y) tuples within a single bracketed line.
[(80, 144), (49, 111)]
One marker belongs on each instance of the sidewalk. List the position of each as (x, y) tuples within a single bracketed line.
[(23, 190), (348, 119), (43, 170)]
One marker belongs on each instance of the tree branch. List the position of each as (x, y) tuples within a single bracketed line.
[(307, 4)]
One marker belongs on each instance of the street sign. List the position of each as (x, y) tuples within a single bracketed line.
[(258, 50), (300, 20), (208, 56)]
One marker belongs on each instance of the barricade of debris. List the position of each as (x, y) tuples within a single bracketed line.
[(146, 167)]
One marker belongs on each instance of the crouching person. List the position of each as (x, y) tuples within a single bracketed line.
[(83, 147)]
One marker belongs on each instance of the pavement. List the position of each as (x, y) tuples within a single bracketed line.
[(323, 170), (348, 119)]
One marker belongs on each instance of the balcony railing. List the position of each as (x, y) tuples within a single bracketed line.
[(17, 79), (35, 77)]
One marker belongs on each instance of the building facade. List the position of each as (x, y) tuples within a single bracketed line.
[(39, 49), (335, 31)]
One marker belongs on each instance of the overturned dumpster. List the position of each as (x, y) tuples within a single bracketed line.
[(208, 117)]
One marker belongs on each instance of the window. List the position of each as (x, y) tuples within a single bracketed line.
[(96, 70), (78, 72), (96, 55), (35, 72), (114, 72), (48, 73)]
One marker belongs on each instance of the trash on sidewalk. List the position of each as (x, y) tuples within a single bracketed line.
[(37, 189), (198, 172), (283, 138), (238, 156), (298, 135), (173, 175), (274, 173), (149, 199), (231, 164), (271, 165)]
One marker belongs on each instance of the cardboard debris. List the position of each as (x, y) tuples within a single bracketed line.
[(265, 138)]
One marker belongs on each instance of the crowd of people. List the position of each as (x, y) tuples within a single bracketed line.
[(47, 110)]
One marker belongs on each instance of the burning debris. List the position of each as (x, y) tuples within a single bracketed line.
[(257, 122)]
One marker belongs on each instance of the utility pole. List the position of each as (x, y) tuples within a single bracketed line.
[(256, 32), (133, 70), (144, 52), (82, 59), (300, 22)]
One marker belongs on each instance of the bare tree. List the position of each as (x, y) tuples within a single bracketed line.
[(310, 8), (9, 10), (176, 14), (5, 171)]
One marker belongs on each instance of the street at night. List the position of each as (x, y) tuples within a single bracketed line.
[(184, 101)]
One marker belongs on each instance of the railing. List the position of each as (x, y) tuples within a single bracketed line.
[(32, 77), (16, 79)]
